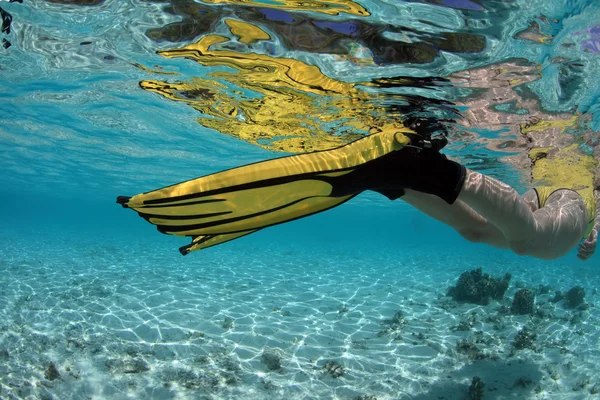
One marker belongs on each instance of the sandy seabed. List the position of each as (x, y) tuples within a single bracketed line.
[(109, 321)]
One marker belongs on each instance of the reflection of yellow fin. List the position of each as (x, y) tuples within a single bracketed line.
[(247, 33), (280, 104), (229, 204), (154, 71), (331, 7)]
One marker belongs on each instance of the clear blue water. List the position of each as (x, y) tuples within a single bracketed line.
[(95, 291)]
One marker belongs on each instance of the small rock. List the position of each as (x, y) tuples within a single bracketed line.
[(127, 366), (575, 297), (399, 318), (51, 372), (476, 389), (470, 349), (558, 296), (467, 321), (553, 372), (476, 287), (230, 379), (525, 339), (544, 289), (581, 384), (523, 302), (334, 368), (135, 366), (228, 323), (268, 385), (523, 381), (271, 360)]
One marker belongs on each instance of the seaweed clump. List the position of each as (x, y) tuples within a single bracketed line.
[(523, 302), (478, 287)]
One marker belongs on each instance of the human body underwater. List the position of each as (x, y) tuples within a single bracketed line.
[(399, 162), (391, 151)]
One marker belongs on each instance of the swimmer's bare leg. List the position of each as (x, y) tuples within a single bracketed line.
[(462, 218), (548, 233)]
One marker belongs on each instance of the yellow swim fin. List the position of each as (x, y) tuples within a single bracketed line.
[(227, 205)]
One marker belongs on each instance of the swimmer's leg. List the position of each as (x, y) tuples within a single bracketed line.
[(462, 218)]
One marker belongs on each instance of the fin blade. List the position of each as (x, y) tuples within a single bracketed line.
[(204, 242), (226, 205), (258, 220), (276, 171)]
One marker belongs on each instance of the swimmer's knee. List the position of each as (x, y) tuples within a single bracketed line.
[(472, 235), (519, 247)]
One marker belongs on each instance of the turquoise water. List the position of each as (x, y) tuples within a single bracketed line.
[(94, 303)]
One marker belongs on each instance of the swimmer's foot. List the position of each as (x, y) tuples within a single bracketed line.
[(419, 166), (439, 176), (436, 174)]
